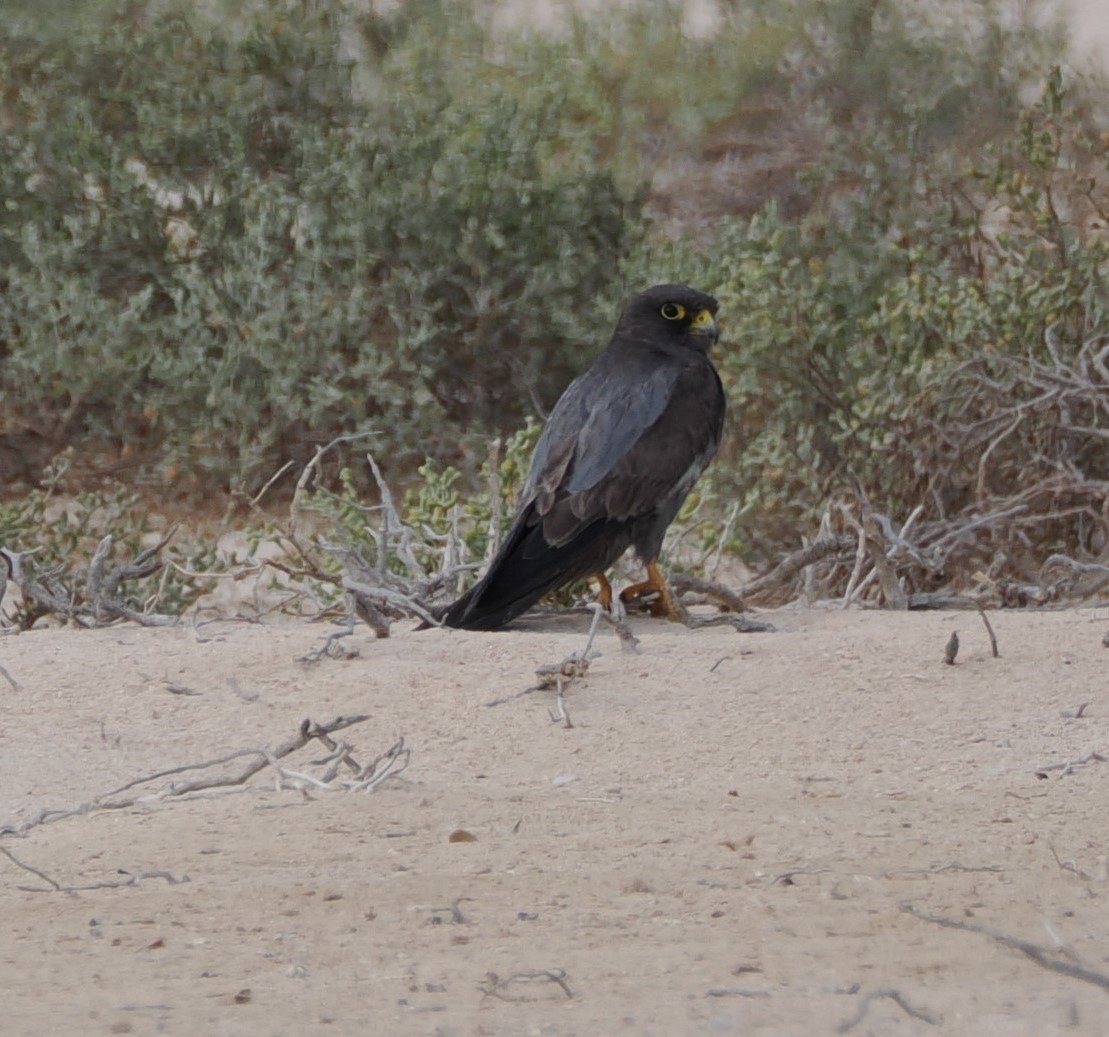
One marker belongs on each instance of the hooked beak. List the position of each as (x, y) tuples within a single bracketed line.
[(705, 324)]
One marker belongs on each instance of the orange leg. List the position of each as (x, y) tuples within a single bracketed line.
[(664, 603), (605, 594)]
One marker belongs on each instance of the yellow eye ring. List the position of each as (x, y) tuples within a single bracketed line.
[(672, 311)]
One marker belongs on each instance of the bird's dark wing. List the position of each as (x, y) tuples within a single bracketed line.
[(595, 423), (657, 469), (604, 421)]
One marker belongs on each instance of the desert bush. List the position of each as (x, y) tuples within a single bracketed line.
[(227, 249), (905, 344), (230, 237), (61, 544)]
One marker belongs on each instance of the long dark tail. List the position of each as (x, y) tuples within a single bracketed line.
[(527, 567)]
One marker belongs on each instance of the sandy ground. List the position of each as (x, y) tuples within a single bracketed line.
[(730, 839)]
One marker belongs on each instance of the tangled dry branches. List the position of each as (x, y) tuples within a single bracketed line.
[(1004, 471), (99, 602), (356, 777)]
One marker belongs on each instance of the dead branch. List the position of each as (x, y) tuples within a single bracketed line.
[(329, 648), (989, 630), (375, 594), (493, 463), (495, 986), (101, 603), (257, 498), (853, 582), (394, 526), (1078, 580), (628, 641), (741, 624), (1042, 956), (778, 577), (383, 595), (723, 540), (42, 595), (260, 759), (557, 676), (312, 468), (1015, 446), (1071, 766), (27, 867), (1077, 713), (1032, 431), (726, 597), (1070, 866), (931, 1018), (560, 714), (57, 887), (308, 731), (775, 583), (390, 763)]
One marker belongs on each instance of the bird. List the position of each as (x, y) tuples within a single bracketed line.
[(618, 455)]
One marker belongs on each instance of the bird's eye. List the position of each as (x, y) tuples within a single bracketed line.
[(672, 311)]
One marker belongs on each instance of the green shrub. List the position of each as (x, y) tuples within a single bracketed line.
[(57, 536), (868, 346), (229, 250), (228, 237)]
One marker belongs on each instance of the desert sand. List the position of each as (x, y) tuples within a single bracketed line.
[(822, 829)]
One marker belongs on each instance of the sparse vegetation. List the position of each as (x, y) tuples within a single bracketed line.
[(230, 237), (95, 557)]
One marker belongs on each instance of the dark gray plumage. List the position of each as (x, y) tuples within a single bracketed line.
[(619, 454)]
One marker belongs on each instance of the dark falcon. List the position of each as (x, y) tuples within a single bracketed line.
[(619, 454)]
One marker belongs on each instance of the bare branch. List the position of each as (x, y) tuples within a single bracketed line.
[(1042, 956), (899, 999), (261, 758)]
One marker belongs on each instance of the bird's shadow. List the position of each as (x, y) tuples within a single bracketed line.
[(628, 629)]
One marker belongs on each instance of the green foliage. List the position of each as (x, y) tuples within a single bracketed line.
[(226, 247), (861, 343), (436, 504), (231, 232), (60, 534), (437, 521)]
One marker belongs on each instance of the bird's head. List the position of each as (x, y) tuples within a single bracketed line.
[(671, 313)]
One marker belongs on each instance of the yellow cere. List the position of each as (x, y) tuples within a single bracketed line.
[(703, 319)]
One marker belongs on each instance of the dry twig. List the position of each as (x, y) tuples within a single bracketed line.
[(133, 879), (778, 583), (329, 647), (1037, 432), (931, 1018), (101, 602), (1043, 956), (989, 630), (16, 686), (495, 986), (389, 763), (1071, 766), (557, 676)]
